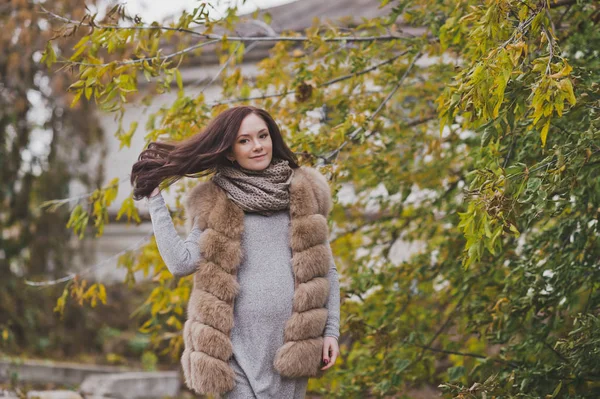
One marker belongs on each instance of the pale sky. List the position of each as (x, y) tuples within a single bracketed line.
[(152, 10)]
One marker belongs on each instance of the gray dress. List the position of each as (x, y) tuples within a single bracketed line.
[(264, 302)]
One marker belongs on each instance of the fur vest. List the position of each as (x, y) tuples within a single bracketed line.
[(207, 343)]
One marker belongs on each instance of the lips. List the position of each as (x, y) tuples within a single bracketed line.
[(258, 157)]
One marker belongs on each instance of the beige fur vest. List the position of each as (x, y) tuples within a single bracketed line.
[(205, 360)]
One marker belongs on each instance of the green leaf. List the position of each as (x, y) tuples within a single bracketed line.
[(48, 56), (556, 390), (514, 229), (125, 138), (267, 18), (454, 373), (401, 364), (179, 79), (488, 133)]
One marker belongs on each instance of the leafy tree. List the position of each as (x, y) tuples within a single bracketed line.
[(477, 138), (45, 147)]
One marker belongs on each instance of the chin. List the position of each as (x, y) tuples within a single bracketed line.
[(258, 164)]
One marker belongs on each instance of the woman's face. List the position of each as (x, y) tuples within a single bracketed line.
[(253, 148)]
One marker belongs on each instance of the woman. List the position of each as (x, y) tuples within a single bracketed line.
[(263, 315)]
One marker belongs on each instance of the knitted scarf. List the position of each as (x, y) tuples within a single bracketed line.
[(263, 191)]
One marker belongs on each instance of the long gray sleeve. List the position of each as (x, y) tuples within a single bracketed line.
[(181, 257), (332, 327)]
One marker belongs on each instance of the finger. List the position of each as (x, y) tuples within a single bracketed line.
[(332, 360), (326, 351), (326, 366), (334, 357)]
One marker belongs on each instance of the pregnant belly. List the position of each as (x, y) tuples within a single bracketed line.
[(267, 301)]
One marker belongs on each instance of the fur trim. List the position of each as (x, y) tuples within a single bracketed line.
[(321, 190), (300, 358), (310, 295), (305, 325), (196, 203), (312, 262), (208, 309), (207, 374), (307, 232), (203, 338), (220, 249), (214, 279), (205, 360)]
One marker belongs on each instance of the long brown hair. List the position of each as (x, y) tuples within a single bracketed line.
[(200, 154)]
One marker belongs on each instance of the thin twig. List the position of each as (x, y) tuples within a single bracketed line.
[(270, 31), (559, 23), (376, 66), (561, 3), (550, 49), (59, 202), (521, 28), (140, 60), (447, 322), (231, 38), (351, 137), (115, 27), (465, 354), (220, 71), (550, 19), (222, 68), (325, 84), (71, 276)]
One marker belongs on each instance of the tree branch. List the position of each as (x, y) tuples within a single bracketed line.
[(140, 60), (465, 354), (550, 49), (231, 38), (562, 3), (71, 276), (336, 152), (448, 320), (325, 84), (53, 204)]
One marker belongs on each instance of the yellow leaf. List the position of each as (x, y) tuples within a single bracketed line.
[(179, 79), (563, 72), (499, 303), (102, 293), (48, 56), (544, 133), (76, 98), (566, 87), (523, 13), (514, 229)]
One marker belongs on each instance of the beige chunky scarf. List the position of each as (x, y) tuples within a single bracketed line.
[(263, 191)]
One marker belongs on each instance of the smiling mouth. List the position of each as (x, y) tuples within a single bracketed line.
[(260, 156)]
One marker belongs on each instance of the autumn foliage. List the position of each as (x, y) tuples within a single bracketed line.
[(477, 141)]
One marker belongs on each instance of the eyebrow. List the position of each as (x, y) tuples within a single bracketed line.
[(260, 131)]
